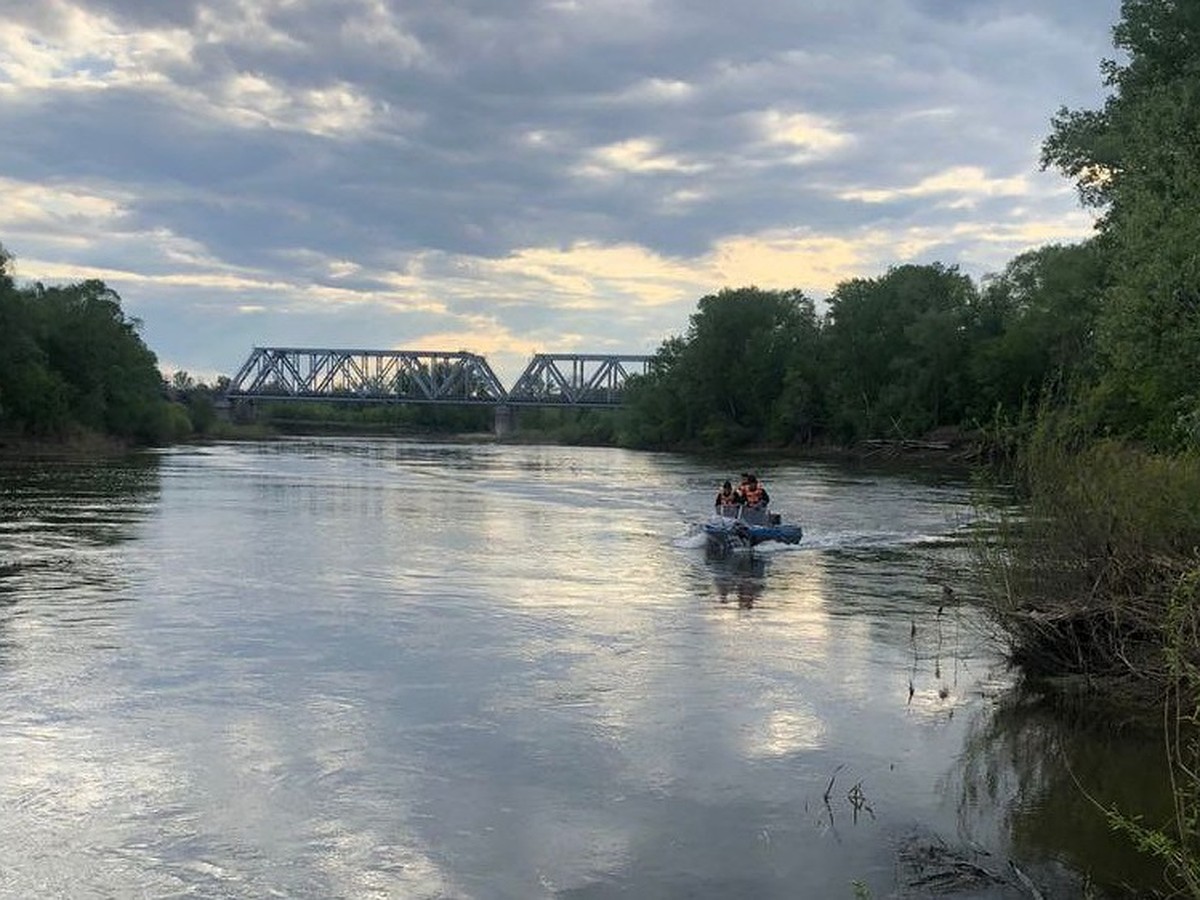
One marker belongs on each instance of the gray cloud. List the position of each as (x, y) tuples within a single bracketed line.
[(348, 145)]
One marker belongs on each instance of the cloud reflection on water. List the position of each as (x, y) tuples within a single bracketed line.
[(472, 672)]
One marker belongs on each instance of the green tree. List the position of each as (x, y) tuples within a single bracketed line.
[(1138, 158), (722, 384), (897, 348), (70, 358), (1034, 324)]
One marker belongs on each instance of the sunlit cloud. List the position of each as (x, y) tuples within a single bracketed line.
[(480, 334), (779, 260), (656, 91), (812, 136), (967, 183), (638, 156), (43, 206), (334, 111), (62, 45), (591, 276), (245, 23)]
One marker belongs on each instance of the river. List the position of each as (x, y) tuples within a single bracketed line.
[(385, 668)]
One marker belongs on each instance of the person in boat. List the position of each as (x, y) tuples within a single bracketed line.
[(754, 495), (727, 496)]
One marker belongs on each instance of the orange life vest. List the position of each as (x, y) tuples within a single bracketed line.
[(753, 494)]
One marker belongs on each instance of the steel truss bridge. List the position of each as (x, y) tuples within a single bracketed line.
[(426, 376)]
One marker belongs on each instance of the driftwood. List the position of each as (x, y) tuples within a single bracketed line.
[(908, 444)]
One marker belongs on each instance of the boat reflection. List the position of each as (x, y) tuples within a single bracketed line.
[(739, 577)]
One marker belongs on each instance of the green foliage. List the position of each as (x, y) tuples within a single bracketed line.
[(917, 349), (898, 350), (197, 400), (578, 427), (739, 375), (1177, 843), (69, 359), (1032, 326), (1083, 581), (375, 417), (1139, 158)]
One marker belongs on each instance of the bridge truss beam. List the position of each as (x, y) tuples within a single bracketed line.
[(576, 379), (397, 376)]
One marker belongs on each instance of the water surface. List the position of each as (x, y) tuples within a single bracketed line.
[(356, 668)]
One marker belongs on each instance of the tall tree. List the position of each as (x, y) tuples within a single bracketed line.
[(1138, 158), (1035, 323), (722, 383), (69, 357), (897, 350)]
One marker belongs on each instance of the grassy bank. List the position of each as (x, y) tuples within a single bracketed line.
[(1096, 586), (77, 443), (1088, 580)]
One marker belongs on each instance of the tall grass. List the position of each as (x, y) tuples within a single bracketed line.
[(1083, 579), (1098, 579)]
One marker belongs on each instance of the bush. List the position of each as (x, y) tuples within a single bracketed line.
[(1083, 580)]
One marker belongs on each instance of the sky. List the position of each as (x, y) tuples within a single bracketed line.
[(512, 177)]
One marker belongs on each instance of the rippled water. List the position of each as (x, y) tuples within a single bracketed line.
[(356, 668)]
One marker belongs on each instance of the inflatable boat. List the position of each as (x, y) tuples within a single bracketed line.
[(733, 528)]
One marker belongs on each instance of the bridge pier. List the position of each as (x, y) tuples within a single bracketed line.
[(504, 421)]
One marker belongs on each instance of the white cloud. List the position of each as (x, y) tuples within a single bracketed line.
[(68, 208), (966, 183), (637, 156), (813, 136), (374, 25), (338, 110), (72, 48), (655, 91)]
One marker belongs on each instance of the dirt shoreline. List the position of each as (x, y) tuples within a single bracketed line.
[(16, 447), (956, 452)]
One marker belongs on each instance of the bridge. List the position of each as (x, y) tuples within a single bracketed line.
[(431, 377)]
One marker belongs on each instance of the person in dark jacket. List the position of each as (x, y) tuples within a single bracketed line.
[(727, 496)]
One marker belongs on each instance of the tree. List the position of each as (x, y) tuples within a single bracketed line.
[(69, 357), (897, 349), (1138, 159), (1034, 324), (722, 384)]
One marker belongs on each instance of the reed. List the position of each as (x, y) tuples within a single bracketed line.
[(1095, 581), (1082, 577)]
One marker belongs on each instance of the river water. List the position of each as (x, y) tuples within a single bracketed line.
[(379, 668)]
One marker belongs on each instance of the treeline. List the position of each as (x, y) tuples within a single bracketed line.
[(917, 349), (366, 418), (72, 362)]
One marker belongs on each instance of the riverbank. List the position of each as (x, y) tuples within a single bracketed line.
[(81, 445)]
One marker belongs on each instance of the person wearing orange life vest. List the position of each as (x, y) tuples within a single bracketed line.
[(754, 494), (727, 496)]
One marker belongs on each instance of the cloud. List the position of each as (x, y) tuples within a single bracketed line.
[(634, 156), (962, 183), (812, 136), (526, 172)]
